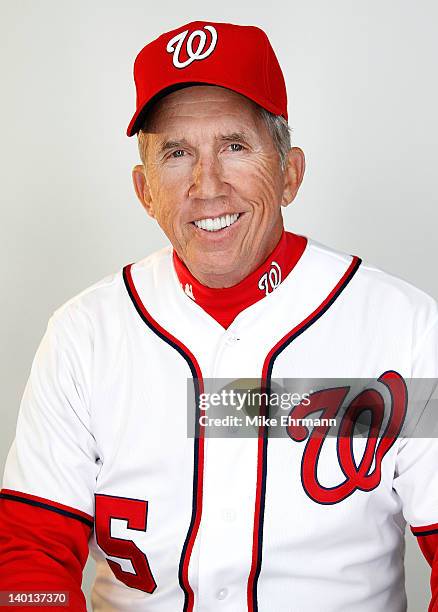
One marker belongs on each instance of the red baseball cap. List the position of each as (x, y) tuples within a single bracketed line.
[(234, 56)]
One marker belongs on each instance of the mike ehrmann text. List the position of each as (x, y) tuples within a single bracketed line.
[(262, 421)]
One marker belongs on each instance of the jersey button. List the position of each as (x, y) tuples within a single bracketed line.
[(222, 593), (232, 338)]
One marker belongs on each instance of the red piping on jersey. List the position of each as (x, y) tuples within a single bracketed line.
[(198, 461), (262, 437)]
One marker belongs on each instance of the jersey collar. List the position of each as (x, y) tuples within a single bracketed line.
[(224, 304)]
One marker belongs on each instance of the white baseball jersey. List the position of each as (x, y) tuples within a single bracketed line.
[(201, 524)]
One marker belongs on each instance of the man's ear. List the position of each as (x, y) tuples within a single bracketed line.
[(142, 189), (293, 174)]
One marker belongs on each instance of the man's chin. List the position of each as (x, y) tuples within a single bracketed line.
[(215, 270)]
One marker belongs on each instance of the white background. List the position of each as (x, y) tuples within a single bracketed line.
[(363, 95)]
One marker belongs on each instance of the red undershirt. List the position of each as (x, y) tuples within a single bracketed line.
[(225, 303)]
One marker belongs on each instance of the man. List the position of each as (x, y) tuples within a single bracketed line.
[(102, 456)]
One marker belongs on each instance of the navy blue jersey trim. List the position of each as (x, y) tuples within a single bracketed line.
[(38, 504), (269, 368)]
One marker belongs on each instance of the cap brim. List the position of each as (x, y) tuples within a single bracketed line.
[(140, 114)]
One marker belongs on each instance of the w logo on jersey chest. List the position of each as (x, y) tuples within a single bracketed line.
[(363, 475)]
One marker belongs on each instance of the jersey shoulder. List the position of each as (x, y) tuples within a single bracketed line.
[(384, 293), (376, 279), (105, 299)]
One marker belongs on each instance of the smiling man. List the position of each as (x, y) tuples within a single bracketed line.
[(212, 178), (295, 519)]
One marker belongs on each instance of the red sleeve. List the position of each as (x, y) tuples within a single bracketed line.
[(427, 538), (43, 545)]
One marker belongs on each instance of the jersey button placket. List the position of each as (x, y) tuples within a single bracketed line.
[(232, 338), (228, 341)]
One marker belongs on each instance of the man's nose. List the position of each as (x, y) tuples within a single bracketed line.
[(207, 180)]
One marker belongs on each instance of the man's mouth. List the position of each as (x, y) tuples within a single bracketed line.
[(215, 224)]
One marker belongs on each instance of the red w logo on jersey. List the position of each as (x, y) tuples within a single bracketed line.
[(328, 402)]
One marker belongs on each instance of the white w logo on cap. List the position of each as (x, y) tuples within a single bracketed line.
[(174, 46)]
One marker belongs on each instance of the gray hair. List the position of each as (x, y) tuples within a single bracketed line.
[(276, 124), (280, 133)]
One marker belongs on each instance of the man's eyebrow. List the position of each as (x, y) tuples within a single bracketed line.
[(234, 137), (166, 145)]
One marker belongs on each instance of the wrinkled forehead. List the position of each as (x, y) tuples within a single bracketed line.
[(196, 104)]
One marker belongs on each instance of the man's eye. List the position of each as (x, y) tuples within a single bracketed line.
[(235, 147), (177, 153)]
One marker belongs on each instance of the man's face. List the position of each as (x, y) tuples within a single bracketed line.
[(209, 155)]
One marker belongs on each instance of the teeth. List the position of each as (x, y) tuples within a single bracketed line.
[(213, 225)]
